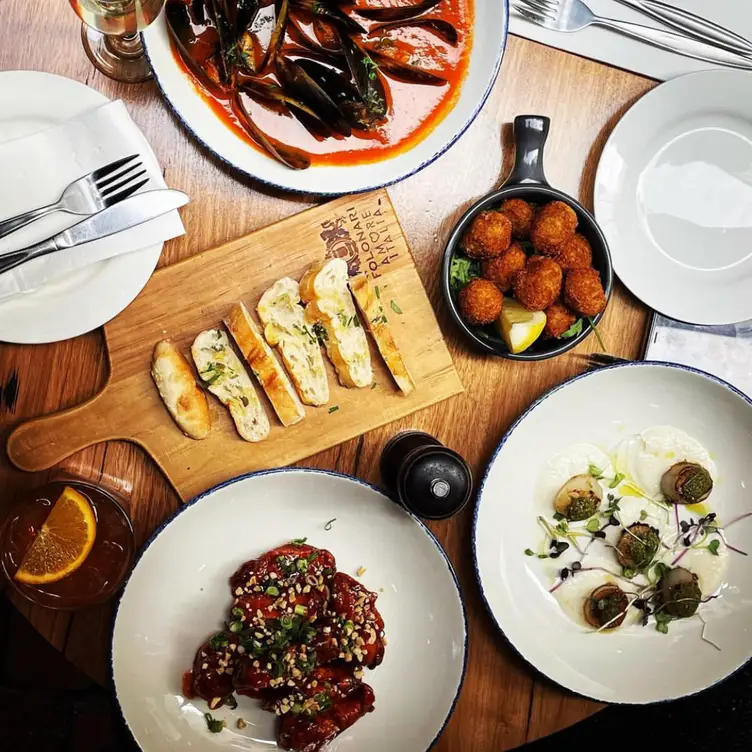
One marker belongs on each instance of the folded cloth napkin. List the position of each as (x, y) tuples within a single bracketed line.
[(36, 169)]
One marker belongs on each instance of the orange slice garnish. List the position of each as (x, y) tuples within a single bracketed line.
[(63, 542)]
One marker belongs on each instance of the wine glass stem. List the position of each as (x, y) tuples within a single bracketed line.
[(126, 46)]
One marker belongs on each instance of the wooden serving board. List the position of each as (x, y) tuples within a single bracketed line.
[(181, 300)]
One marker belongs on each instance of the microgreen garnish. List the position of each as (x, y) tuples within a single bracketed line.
[(593, 525), (559, 516), (213, 724), (713, 547), (573, 330), (461, 271)]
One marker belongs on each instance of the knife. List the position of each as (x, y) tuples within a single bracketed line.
[(690, 23), (131, 212)]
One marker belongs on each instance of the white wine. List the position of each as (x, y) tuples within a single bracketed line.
[(117, 17)]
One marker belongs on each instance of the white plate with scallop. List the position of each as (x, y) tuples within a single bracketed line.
[(178, 593), (636, 419), (673, 195)]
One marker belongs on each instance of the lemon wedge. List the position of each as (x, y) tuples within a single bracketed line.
[(518, 326)]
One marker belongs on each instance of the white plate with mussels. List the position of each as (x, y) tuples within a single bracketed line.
[(617, 564)]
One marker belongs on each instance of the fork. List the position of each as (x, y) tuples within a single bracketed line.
[(574, 15), (90, 194)]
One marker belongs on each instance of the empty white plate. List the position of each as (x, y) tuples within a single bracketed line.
[(673, 194), (178, 594), (633, 664), (87, 298)]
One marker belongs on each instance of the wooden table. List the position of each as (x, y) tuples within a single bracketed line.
[(504, 702)]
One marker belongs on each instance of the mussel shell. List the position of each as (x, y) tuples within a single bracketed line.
[(261, 88), (398, 14), (278, 35), (296, 33), (367, 79), (288, 155), (438, 26), (404, 71), (294, 78), (330, 13), (181, 33)]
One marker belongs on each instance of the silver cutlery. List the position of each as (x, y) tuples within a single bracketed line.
[(128, 213), (90, 194), (574, 15), (600, 360), (692, 24)]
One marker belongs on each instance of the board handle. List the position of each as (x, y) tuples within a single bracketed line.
[(42, 442)]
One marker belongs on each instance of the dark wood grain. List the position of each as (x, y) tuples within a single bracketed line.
[(504, 702)]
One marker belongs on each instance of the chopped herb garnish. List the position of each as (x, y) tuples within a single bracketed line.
[(529, 552), (628, 573), (371, 66), (333, 409), (328, 525), (220, 640), (378, 292), (595, 471), (542, 556), (320, 331), (300, 610), (373, 386), (313, 556), (301, 565), (461, 271), (395, 307), (298, 541), (286, 621), (643, 515), (213, 724), (272, 590), (235, 627), (618, 478), (238, 612)]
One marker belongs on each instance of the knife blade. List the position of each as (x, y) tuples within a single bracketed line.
[(131, 212)]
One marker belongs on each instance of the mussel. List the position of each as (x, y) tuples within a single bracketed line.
[(297, 34), (278, 35), (288, 155), (410, 74), (261, 88), (442, 29), (293, 76), (330, 12), (198, 52), (398, 14), (367, 80)]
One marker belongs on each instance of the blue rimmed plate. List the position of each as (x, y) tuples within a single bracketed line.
[(593, 413), (178, 593), (489, 40)]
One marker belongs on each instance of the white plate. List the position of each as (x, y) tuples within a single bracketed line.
[(81, 301), (673, 194), (490, 33), (635, 664), (178, 593)]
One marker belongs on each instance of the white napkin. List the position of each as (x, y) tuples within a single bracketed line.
[(36, 169)]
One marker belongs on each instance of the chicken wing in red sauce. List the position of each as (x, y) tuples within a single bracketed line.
[(298, 636)]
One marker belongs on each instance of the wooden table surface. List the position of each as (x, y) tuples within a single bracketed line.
[(504, 702)]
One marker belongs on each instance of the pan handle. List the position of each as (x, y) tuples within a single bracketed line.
[(530, 134)]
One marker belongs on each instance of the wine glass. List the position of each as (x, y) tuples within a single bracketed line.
[(110, 35)]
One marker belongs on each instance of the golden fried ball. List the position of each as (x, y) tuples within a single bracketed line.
[(558, 319), (553, 225), (538, 285), (583, 292), (480, 302), (489, 234), (503, 269), (576, 253), (520, 214)]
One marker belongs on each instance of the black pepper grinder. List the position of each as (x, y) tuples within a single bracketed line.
[(427, 478)]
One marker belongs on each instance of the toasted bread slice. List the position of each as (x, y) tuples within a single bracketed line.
[(226, 378), (285, 328), (329, 303), (264, 365), (377, 323), (177, 387)]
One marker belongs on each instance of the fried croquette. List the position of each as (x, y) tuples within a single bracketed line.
[(480, 302), (538, 285), (558, 319), (583, 292), (520, 214), (576, 253), (489, 234), (503, 269), (553, 225)]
